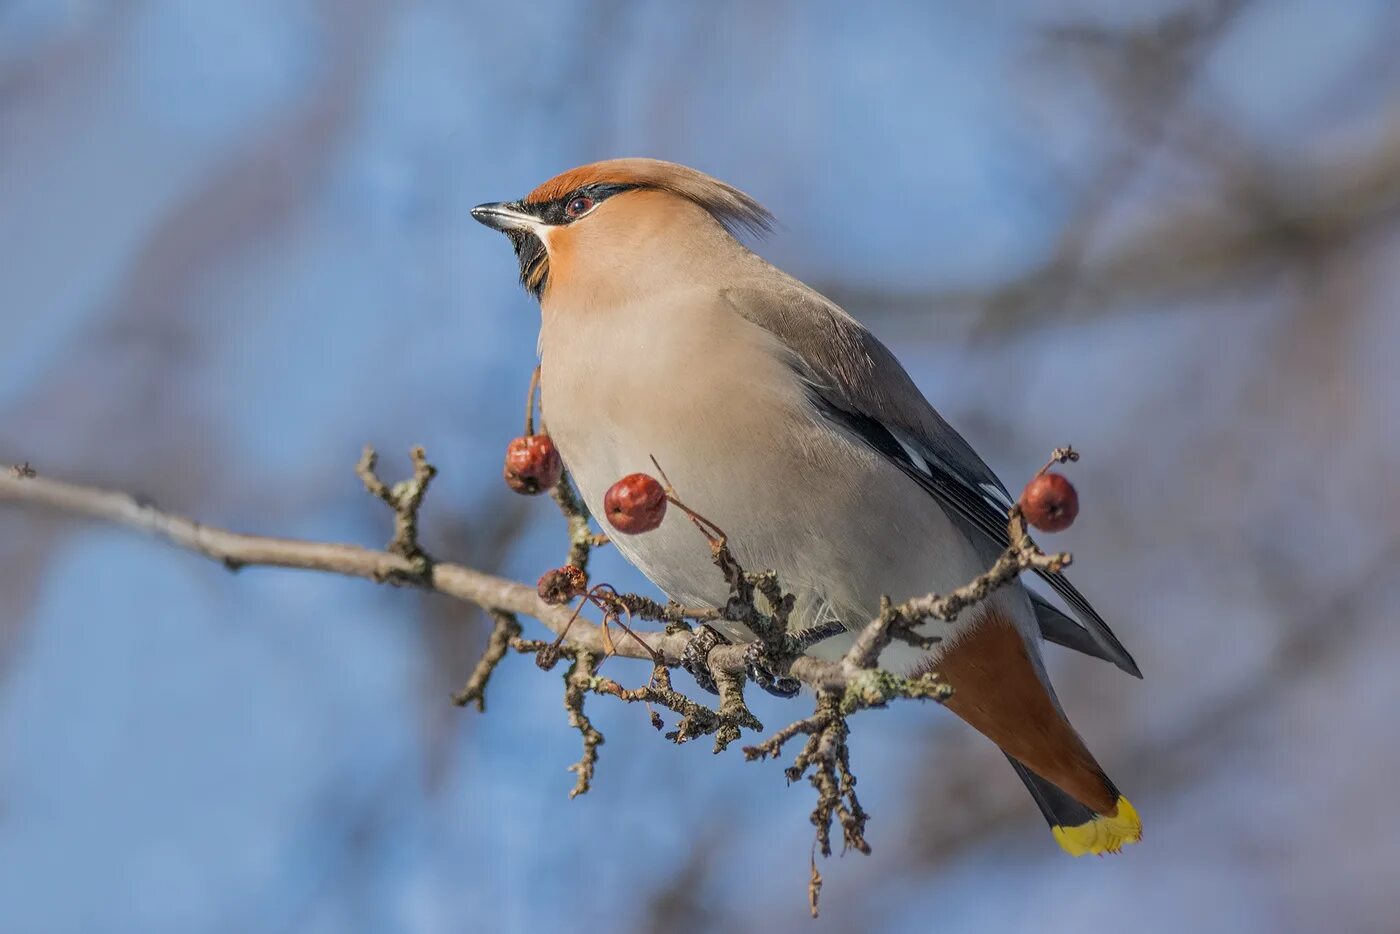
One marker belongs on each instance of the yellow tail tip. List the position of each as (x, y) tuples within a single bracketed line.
[(1103, 834)]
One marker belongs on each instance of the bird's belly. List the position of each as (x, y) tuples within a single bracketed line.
[(738, 440)]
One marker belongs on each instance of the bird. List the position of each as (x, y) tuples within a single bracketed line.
[(781, 419)]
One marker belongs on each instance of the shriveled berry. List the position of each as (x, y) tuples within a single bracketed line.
[(561, 585), (635, 504), (1050, 502), (532, 464)]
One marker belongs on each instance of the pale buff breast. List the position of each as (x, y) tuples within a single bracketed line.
[(733, 430)]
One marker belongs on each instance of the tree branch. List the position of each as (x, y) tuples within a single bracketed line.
[(775, 660), (235, 550)]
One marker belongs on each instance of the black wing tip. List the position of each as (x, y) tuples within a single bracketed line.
[(1119, 654), (1092, 638)]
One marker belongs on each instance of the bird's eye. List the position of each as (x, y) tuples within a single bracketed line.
[(579, 206)]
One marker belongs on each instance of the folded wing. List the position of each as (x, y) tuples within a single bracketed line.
[(858, 385)]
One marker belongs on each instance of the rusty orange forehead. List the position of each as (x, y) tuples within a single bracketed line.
[(730, 206), (598, 173)]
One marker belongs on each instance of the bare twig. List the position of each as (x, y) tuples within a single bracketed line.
[(582, 539), (577, 682), (670, 613), (507, 628), (405, 498), (696, 719), (826, 749), (901, 620)]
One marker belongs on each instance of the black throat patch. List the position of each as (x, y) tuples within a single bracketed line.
[(534, 261)]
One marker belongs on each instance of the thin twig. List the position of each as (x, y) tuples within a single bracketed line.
[(507, 628), (577, 682), (582, 539), (405, 498)]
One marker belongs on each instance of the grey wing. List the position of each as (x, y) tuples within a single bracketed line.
[(858, 384)]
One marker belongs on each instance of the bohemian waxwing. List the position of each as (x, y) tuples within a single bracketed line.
[(781, 419)]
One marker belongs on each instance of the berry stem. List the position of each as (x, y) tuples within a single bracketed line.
[(530, 402), (712, 532), (1064, 455)]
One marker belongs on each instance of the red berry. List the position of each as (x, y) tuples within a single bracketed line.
[(635, 504), (1050, 502), (561, 584), (532, 464)]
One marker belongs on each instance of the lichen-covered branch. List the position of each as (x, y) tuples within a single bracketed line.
[(577, 682), (756, 601)]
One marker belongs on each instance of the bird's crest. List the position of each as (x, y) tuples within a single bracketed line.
[(727, 204)]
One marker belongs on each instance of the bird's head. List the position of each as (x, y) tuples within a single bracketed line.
[(610, 217)]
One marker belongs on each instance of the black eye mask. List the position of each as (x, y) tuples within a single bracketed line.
[(555, 212)]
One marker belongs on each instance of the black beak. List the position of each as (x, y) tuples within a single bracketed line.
[(504, 216)]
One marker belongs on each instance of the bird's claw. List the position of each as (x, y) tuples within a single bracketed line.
[(760, 670), (759, 665), (696, 657)]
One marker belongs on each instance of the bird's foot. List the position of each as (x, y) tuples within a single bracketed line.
[(696, 656), (762, 667), (761, 671)]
